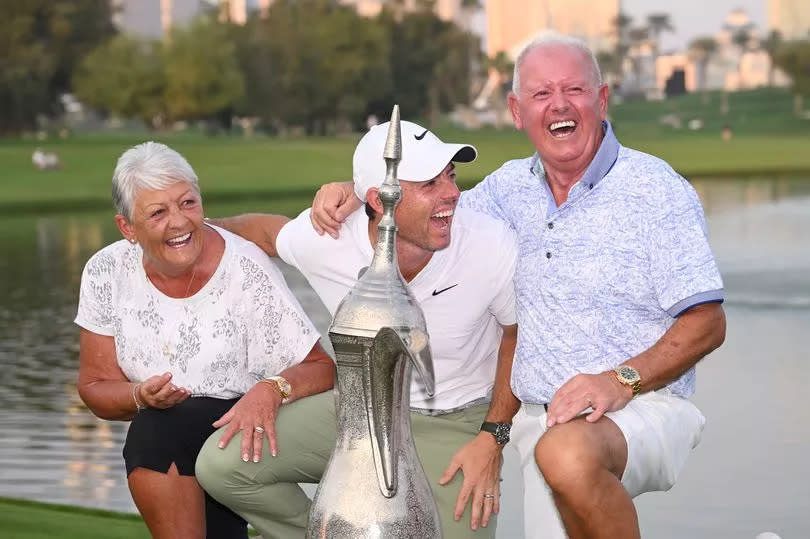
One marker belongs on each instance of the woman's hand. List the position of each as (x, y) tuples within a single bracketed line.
[(255, 416), (158, 392)]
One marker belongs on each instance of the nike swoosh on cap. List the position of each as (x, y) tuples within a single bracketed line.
[(437, 292), (420, 137)]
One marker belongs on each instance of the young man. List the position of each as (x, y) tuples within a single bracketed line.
[(618, 297), (459, 266)]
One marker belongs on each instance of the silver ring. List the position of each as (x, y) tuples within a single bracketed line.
[(259, 429), (489, 496)]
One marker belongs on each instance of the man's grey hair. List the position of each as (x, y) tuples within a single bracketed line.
[(548, 39), (150, 165)]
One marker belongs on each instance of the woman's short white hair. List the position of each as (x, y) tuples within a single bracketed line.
[(548, 39), (150, 165)]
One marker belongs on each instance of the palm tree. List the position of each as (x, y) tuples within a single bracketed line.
[(657, 23), (772, 44), (701, 50), (503, 68), (622, 24)]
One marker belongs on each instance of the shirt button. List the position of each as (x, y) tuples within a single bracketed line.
[(548, 254), (551, 225)]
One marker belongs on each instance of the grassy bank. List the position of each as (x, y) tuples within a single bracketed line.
[(32, 520), (767, 140)]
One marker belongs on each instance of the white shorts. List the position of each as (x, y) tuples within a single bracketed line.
[(660, 429)]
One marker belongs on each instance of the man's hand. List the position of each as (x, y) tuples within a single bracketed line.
[(332, 204), (602, 392), (480, 463), (255, 416)]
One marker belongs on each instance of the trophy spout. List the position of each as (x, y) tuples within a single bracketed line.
[(418, 347)]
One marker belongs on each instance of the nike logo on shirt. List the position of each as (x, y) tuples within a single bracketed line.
[(437, 292)]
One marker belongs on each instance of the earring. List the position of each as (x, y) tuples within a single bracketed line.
[(132, 241)]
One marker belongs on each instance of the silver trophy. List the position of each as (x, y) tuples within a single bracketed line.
[(374, 485)]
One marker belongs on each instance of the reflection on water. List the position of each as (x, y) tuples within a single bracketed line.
[(746, 476)]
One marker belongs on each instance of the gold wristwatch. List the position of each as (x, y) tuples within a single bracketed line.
[(284, 387), (629, 376)]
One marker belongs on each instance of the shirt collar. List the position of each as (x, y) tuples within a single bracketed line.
[(600, 165)]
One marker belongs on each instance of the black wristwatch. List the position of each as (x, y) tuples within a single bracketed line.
[(499, 430)]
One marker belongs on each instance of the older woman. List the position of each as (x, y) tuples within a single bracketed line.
[(186, 328)]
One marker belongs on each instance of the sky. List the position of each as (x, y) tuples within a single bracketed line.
[(693, 18)]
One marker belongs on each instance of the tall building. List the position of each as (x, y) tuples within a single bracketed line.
[(513, 23), (791, 18)]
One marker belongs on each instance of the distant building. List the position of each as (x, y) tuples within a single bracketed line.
[(669, 66), (513, 23), (153, 19), (791, 18), (237, 11)]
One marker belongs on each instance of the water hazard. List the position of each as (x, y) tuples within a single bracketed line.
[(747, 476)]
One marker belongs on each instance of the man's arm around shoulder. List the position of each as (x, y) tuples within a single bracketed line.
[(260, 228)]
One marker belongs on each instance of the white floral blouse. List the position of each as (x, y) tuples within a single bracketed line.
[(244, 324)]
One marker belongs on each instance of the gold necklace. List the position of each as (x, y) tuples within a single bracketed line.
[(193, 274)]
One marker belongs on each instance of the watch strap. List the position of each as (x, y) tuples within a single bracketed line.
[(499, 430)]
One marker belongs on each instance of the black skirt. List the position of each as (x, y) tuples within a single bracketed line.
[(158, 438)]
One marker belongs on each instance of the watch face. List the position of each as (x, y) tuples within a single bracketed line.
[(628, 373), (502, 433)]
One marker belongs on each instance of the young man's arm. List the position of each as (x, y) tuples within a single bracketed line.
[(260, 228), (480, 459)]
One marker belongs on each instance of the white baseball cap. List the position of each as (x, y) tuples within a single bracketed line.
[(424, 156)]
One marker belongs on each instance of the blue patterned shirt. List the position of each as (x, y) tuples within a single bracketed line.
[(600, 278)]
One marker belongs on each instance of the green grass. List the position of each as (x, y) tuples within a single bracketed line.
[(768, 140), (32, 520)]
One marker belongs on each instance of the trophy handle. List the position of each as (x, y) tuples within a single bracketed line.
[(384, 399)]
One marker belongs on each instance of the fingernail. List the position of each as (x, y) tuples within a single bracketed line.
[(273, 453), (245, 457), (221, 445), (256, 459)]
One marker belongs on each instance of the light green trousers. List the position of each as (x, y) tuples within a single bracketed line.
[(267, 494)]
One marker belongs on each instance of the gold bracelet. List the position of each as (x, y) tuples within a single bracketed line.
[(138, 405)]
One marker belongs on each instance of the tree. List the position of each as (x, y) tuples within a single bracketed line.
[(201, 70), (622, 24), (701, 50), (503, 68), (772, 44), (314, 63), (430, 61), (657, 24), (124, 77), (794, 59), (42, 42)]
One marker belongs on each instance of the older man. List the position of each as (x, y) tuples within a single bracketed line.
[(618, 297), (459, 266)]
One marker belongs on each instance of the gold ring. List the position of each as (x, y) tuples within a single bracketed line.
[(489, 496)]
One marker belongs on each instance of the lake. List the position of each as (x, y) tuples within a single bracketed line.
[(750, 474)]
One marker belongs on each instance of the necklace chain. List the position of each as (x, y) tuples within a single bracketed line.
[(188, 287)]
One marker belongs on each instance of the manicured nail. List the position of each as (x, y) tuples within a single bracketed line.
[(245, 457), (221, 445), (256, 458), (273, 453)]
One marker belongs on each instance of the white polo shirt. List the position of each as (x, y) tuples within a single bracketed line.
[(465, 292)]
